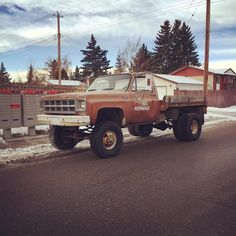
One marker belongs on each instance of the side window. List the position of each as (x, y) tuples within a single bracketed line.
[(143, 84)]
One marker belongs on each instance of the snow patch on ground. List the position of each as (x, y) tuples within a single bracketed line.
[(226, 109), (24, 130), (41, 151), (2, 140)]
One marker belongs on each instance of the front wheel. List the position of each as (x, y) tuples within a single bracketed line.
[(106, 139), (59, 138)]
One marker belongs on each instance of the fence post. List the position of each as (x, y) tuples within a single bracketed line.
[(7, 133)]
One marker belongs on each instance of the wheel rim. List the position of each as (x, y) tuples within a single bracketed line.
[(194, 127), (109, 140)]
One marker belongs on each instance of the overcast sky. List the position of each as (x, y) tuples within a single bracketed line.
[(28, 28)]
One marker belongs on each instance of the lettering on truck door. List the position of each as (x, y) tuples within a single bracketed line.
[(144, 101)]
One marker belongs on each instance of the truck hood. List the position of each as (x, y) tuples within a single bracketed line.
[(83, 95)]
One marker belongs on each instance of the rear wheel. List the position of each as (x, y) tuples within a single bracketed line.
[(188, 127), (106, 139), (60, 139), (192, 127), (178, 127)]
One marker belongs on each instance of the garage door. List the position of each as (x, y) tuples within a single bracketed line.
[(162, 91)]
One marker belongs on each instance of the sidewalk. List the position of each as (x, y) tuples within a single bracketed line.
[(24, 141)]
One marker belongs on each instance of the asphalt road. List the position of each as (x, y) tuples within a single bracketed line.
[(155, 187)]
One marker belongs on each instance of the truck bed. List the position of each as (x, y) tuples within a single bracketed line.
[(181, 101)]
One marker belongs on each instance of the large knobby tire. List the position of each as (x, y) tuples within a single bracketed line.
[(140, 130), (192, 127), (106, 139), (178, 127), (57, 137)]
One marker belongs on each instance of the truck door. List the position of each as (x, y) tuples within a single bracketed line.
[(145, 104)]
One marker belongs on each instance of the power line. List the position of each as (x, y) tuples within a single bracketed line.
[(139, 18), (27, 48), (145, 16), (68, 43), (27, 42)]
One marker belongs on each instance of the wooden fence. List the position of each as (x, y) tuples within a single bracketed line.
[(223, 98)]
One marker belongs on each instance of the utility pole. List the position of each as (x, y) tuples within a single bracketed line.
[(59, 45), (207, 45)]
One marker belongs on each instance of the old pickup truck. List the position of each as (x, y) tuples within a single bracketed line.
[(114, 102)]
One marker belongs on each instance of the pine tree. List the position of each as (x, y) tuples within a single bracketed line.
[(64, 75), (189, 53), (174, 47), (76, 74), (4, 76), (142, 60), (52, 68), (95, 62), (161, 55), (30, 74), (119, 65)]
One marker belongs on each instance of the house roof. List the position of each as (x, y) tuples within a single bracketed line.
[(224, 71), (179, 79), (65, 82)]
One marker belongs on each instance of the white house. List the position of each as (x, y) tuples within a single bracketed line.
[(167, 84)]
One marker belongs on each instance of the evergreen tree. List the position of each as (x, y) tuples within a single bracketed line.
[(64, 75), (162, 49), (30, 74), (52, 68), (119, 65), (174, 48), (95, 62), (189, 54), (76, 74), (142, 60), (4, 76)]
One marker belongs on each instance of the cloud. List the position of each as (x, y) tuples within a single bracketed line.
[(113, 23), (11, 9)]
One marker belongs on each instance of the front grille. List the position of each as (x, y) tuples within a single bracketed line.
[(60, 106)]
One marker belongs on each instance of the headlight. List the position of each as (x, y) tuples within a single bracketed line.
[(81, 105)]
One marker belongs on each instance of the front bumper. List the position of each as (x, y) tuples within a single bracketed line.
[(61, 120)]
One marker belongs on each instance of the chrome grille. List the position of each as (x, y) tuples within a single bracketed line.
[(60, 106)]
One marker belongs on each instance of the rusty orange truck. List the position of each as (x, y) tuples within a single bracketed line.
[(114, 102)]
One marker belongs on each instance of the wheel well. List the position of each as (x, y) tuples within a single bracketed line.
[(174, 113), (111, 114)]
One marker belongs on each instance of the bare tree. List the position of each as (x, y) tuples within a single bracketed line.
[(66, 64), (127, 54), (52, 66)]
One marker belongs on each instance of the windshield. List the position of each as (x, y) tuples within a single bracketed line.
[(113, 82)]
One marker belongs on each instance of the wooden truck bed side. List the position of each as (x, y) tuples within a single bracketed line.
[(181, 101)]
